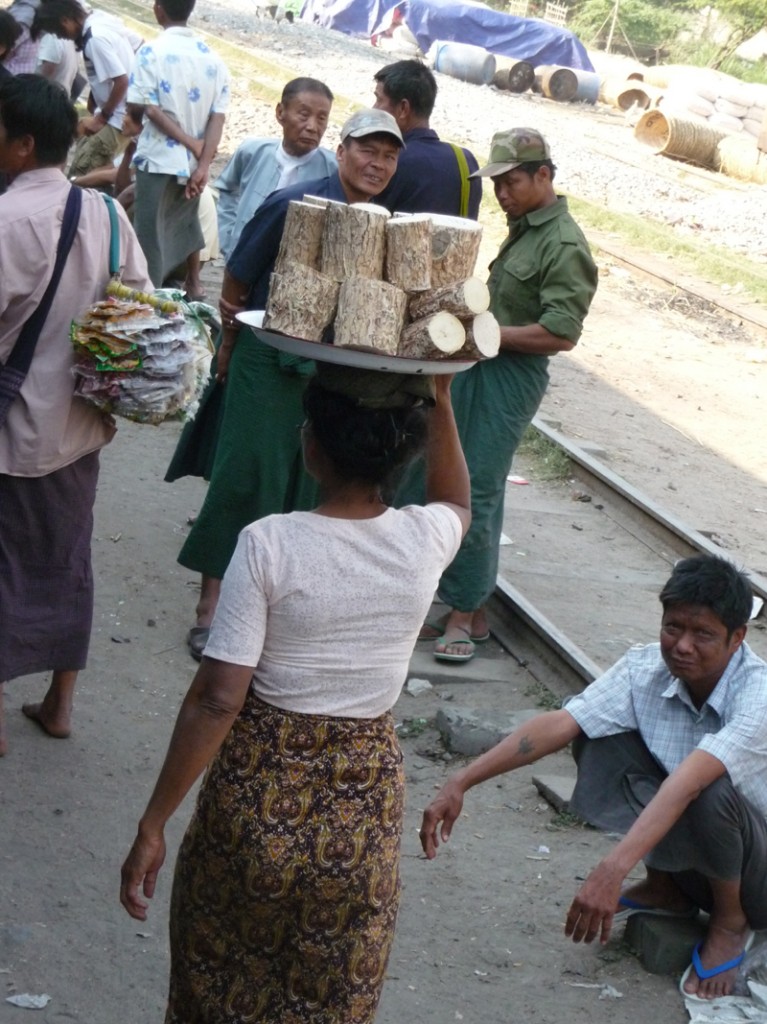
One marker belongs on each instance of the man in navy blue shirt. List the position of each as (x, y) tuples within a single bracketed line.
[(432, 176), (258, 468)]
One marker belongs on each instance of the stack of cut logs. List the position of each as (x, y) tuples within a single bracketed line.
[(400, 285)]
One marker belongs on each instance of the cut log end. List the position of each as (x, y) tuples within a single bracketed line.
[(433, 337), (483, 337)]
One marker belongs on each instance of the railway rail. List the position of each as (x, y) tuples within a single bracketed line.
[(555, 658)]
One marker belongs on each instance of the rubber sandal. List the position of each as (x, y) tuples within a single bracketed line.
[(468, 643), (196, 639), (634, 907), (711, 972)]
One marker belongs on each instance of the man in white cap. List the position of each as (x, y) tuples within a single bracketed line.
[(541, 285), (258, 468)]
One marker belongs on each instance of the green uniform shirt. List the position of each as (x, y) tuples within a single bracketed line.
[(544, 273)]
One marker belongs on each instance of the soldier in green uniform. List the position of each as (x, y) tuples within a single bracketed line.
[(541, 286)]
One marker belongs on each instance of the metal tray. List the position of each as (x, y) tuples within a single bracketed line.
[(365, 359)]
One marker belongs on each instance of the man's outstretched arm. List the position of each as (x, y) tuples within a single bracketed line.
[(542, 735)]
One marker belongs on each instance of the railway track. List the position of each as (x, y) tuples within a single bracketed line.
[(559, 650)]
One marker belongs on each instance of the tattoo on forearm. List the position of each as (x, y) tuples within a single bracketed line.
[(525, 746)]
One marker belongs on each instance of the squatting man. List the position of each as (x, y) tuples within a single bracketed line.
[(671, 748)]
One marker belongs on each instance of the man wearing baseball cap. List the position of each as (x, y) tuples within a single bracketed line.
[(541, 285), (258, 467)]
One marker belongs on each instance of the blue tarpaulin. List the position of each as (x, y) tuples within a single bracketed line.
[(435, 20)]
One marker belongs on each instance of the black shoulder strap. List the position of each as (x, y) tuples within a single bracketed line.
[(13, 373), (21, 356)]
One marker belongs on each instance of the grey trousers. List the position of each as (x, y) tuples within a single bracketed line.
[(721, 835)]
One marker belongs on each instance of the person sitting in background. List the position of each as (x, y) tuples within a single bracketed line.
[(260, 166), (671, 748), (116, 177), (287, 883)]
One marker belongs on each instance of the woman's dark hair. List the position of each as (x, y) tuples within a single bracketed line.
[(51, 13), (714, 583), (10, 30), (33, 105), (370, 445)]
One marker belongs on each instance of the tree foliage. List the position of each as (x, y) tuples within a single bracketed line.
[(642, 21)]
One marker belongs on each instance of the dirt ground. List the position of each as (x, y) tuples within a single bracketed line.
[(677, 403), (480, 933)]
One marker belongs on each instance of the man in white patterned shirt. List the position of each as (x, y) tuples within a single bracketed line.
[(182, 88), (671, 745)]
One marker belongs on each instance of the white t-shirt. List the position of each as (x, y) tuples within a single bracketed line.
[(63, 54), (107, 55), (328, 610)]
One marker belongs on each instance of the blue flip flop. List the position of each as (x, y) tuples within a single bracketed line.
[(711, 972), (634, 907)]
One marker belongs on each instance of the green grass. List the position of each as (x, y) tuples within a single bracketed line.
[(696, 258), (548, 460), (543, 696)]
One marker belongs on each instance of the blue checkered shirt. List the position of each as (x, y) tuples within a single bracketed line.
[(639, 694)]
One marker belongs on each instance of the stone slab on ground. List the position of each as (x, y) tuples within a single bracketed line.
[(664, 944), (557, 789), (465, 731), (491, 664)]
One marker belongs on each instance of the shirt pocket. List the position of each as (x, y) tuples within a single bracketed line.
[(521, 286)]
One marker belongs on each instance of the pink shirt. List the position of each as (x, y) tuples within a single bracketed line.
[(47, 427), (22, 59)]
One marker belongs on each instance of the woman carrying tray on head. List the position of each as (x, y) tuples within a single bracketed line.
[(287, 883)]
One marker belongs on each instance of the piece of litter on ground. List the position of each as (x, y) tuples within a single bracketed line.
[(29, 1002), (415, 687), (608, 992), (481, 974), (534, 856), (505, 540), (543, 849), (512, 479), (115, 537)]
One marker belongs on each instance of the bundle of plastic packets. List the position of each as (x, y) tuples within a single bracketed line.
[(145, 357)]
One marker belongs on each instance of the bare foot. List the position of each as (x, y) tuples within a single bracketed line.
[(56, 723), (721, 946), (658, 893)]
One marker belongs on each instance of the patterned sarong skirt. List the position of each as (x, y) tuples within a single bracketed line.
[(287, 882)]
